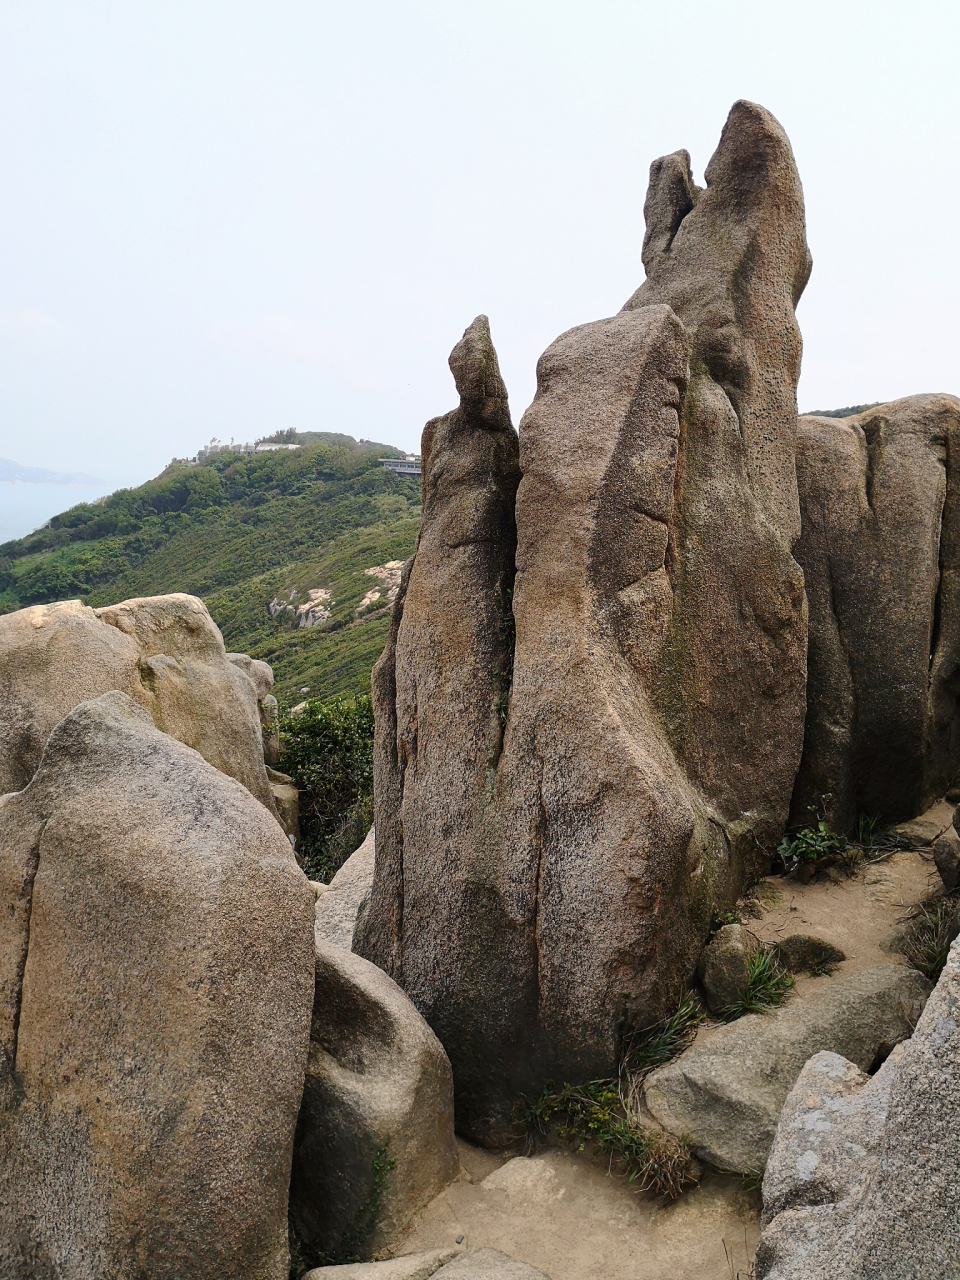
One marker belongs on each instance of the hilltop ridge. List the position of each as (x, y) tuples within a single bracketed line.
[(243, 533)]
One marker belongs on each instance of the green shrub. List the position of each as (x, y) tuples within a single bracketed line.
[(327, 748)]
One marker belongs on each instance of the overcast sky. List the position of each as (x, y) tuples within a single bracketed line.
[(224, 217)]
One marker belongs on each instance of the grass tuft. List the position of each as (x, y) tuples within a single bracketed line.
[(768, 986), (931, 927), (607, 1113)]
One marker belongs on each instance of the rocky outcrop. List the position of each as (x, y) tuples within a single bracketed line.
[(880, 550), (260, 675), (864, 1177), (155, 993), (374, 1140), (165, 652), (340, 901), (557, 817), (725, 1092)]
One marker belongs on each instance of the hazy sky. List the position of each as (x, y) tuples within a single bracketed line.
[(222, 218)]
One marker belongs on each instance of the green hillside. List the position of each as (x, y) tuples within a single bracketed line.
[(242, 532)]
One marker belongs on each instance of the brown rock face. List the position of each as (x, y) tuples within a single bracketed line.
[(880, 549), (156, 982), (165, 652), (556, 819)]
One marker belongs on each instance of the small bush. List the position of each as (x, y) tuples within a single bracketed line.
[(768, 986), (327, 749), (594, 1112), (931, 927)]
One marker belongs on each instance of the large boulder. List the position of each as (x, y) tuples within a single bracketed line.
[(375, 1137), (340, 901), (576, 766), (864, 1177), (165, 652), (724, 966), (880, 550), (725, 1092), (156, 978)]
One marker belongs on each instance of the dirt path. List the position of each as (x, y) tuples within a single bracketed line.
[(559, 1212), (575, 1222)]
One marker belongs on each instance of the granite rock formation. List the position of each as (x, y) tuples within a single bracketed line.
[(165, 652), (374, 1140), (156, 982), (880, 549), (864, 1177), (340, 902), (725, 1092), (590, 708)]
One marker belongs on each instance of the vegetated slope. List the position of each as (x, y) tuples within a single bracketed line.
[(241, 532)]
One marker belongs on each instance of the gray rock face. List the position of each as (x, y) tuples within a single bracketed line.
[(732, 261), (557, 820), (946, 857), (339, 902), (260, 675), (724, 966), (378, 1089), (726, 1091), (864, 1177), (155, 993), (163, 651), (880, 550)]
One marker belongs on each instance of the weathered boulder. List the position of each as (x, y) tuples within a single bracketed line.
[(374, 1140), (724, 966), (155, 993), (260, 675), (339, 902), (558, 817), (165, 652), (880, 550), (467, 1264), (286, 799), (863, 1180), (946, 857), (725, 1092)]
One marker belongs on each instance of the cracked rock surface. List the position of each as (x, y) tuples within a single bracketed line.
[(590, 708), (880, 550), (863, 1180), (156, 981)]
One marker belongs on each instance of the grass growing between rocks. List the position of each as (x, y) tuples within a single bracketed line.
[(606, 1113), (931, 927), (768, 986), (805, 852)]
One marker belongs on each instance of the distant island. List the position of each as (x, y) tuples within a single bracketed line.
[(13, 473)]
